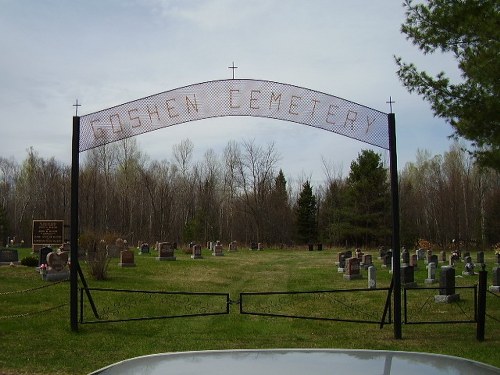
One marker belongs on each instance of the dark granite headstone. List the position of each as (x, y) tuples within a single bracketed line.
[(388, 259), (319, 247), (407, 276), (311, 247), (144, 248), (447, 281), (480, 257), (8, 256), (496, 276), (434, 259), (42, 255)]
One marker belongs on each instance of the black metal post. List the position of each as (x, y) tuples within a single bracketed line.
[(481, 304), (396, 263), (75, 171)]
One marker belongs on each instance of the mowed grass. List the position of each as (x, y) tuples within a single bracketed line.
[(42, 342)]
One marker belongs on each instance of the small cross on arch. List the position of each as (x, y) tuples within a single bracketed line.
[(390, 102), (76, 105), (232, 67)]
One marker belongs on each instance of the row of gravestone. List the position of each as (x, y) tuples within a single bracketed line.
[(351, 267), (166, 252)]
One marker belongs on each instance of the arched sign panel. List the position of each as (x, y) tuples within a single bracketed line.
[(235, 97)]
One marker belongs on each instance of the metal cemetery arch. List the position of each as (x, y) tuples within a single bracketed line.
[(234, 97)]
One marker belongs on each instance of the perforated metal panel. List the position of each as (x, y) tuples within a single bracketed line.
[(235, 97)]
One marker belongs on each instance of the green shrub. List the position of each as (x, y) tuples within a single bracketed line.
[(29, 261)]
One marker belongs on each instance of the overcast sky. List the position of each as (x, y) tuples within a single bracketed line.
[(107, 52)]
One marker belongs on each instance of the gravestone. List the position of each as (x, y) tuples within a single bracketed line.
[(42, 255), (339, 255), (319, 247), (8, 256), (233, 246), (144, 248), (480, 257), (387, 260), (381, 252), (352, 270), (127, 258), (408, 277), (367, 261), (341, 265), (311, 247), (447, 286), (254, 246), (166, 251), (372, 277), (428, 257), (443, 256), (431, 273), (495, 288), (420, 254), (414, 261), (358, 254), (405, 258), (434, 259), (218, 250), (260, 246), (468, 267), (454, 259), (57, 266), (348, 254), (196, 252)]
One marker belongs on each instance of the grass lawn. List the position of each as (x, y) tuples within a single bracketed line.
[(35, 335)]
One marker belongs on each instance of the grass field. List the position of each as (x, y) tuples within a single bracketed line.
[(35, 335)]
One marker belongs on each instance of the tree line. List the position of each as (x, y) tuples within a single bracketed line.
[(242, 195)]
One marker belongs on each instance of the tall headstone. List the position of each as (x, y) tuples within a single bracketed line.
[(431, 273), (480, 257), (372, 277), (42, 255), (352, 270), (341, 265), (414, 261), (339, 255), (408, 277), (442, 255), (387, 260), (319, 246), (447, 286), (495, 288), (405, 258)]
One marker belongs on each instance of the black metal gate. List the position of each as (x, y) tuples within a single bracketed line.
[(342, 305)]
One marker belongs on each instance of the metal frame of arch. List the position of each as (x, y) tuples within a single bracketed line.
[(234, 97)]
